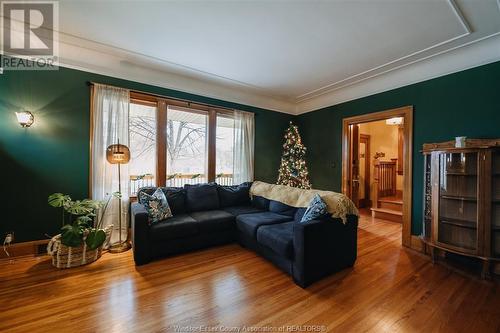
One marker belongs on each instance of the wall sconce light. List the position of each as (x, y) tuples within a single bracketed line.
[(25, 118)]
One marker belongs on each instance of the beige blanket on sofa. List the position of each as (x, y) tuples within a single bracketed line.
[(337, 204)]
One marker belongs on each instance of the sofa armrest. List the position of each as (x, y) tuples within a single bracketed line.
[(322, 247), (140, 233)]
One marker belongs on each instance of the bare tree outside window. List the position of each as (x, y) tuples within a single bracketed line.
[(142, 133), (143, 127), (185, 141), (186, 147), (186, 135)]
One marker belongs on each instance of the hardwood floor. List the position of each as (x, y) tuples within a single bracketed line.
[(390, 289)]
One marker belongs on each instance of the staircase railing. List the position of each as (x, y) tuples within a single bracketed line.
[(384, 179)]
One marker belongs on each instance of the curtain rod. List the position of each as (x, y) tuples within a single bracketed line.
[(91, 83)]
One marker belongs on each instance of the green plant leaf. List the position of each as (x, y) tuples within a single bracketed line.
[(92, 204), (78, 208), (95, 238), (72, 235), (58, 200), (84, 221)]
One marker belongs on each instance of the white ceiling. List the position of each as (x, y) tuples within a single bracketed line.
[(291, 56)]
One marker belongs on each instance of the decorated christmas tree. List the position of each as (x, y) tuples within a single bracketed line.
[(293, 170)]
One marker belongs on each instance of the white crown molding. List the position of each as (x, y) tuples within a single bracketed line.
[(89, 56), (84, 55), (472, 54), (475, 53), (132, 66), (81, 54), (375, 70), (460, 16), (151, 62)]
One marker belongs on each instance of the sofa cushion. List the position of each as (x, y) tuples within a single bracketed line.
[(240, 210), (299, 213), (260, 202), (201, 197), (176, 197), (236, 195), (317, 209), (156, 205), (178, 226), (149, 190), (281, 208), (249, 223), (277, 237), (213, 220)]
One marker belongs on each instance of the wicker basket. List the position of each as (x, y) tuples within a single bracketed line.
[(66, 257)]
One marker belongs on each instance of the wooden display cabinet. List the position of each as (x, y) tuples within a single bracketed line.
[(462, 199)]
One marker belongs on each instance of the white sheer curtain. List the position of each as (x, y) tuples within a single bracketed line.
[(244, 136), (110, 120)]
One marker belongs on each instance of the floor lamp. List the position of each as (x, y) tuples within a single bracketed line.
[(118, 154)]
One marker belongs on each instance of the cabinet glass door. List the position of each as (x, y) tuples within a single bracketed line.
[(427, 231), (495, 203), (458, 200)]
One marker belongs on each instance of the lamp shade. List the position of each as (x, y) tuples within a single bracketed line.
[(118, 154)]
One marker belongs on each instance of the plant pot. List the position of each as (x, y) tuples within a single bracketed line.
[(66, 257)]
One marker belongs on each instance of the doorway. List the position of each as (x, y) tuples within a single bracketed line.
[(370, 178), (359, 191), (364, 200)]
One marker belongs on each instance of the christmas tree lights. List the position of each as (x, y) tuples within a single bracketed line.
[(293, 170)]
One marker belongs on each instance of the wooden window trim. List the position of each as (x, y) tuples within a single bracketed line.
[(135, 95), (187, 109), (161, 144), (162, 104), (143, 102), (212, 129)]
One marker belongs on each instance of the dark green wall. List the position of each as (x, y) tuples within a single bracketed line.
[(53, 155), (465, 103)]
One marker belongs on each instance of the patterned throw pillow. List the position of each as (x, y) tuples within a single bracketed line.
[(156, 205), (316, 209)]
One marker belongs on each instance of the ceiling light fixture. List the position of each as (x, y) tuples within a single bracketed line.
[(25, 118), (394, 121)]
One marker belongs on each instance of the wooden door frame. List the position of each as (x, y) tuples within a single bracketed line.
[(407, 113), (366, 139), (354, 152)]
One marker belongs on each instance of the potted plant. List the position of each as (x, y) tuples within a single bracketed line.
[(82, 234)]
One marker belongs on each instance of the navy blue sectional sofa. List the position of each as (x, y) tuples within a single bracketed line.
[(209, 214)]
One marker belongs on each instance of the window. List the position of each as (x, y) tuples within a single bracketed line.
[(142, 133), (187, 146), (224, 144), (174, 142)]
